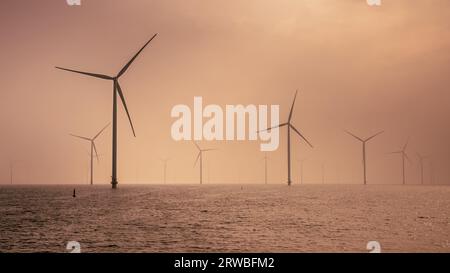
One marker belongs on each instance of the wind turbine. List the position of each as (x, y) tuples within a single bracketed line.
[(301, 161), (364, 142), (93, 149), (164, 161), (265, 168), (97, 157), (12, 165), (11, 171), (404, 156), (117, 90), (323, 173), (432, 169), (290, 127), (200, 156), (422, 158)]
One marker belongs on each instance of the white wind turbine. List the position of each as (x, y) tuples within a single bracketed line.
[(93, 149), (200, 157), (117, 91), (290, 127), (364, 142), (405, 157), (164, 161)]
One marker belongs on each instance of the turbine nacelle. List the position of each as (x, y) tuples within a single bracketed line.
[(92, 140), (364, 140), (289, 124), (200, 157), (403, 151), (200, 152)]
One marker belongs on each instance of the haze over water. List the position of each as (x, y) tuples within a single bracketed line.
[(213, 218)]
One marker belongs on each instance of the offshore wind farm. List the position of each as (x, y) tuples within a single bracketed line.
[(240, 172)]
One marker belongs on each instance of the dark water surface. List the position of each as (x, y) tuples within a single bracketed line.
[(217, 218)]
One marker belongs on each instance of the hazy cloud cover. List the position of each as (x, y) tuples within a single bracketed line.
[(357, 67)]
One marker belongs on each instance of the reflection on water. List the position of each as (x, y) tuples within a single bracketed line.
[(225, 218)]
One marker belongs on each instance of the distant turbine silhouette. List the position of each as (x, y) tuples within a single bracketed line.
[(116, 90), (12, 166), (323, 173), (97, 157), (422, 158), (289, 126), (432, 169), (208, 168), (200, 156), (364, 141), (93, 149), (238, 175), (11, 172), (265, 168), (164, 161), (404, 156), (301, 161)]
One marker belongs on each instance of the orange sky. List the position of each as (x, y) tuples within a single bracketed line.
[(359, 68)]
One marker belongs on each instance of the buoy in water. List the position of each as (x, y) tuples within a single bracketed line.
[(74, 194)]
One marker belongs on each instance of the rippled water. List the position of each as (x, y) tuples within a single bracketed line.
[(218, 218)]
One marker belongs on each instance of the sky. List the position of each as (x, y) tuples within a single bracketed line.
[(357, 67)]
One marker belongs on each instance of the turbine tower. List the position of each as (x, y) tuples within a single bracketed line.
[(117, 90), (364, 142), (200, 156), (432, 168), (13, 162), (302, 162), (323, 173), (422, 158), (164, 161), (93, 149), (404, 156), (290, 127), (11, 171), (265, 169)]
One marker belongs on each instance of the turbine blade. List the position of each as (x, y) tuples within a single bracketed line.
[(398, 152), (354, 136), (377, 134), (292, 107), (196, 145), (85, 138), (124, 69), (293, 128), (95, 150), (196, 160), (101, 131), (100, 76), (274, 127), (406, 144), (208, 150), (119, 90)]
